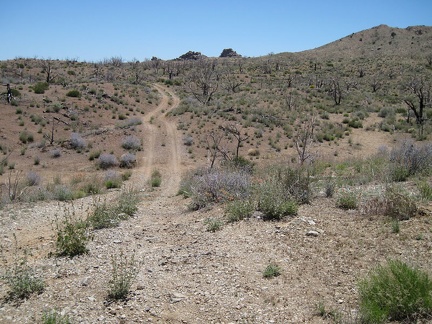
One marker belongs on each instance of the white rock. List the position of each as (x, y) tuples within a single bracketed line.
[(312, 233)]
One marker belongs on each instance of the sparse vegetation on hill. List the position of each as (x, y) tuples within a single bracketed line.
[(291, 166)]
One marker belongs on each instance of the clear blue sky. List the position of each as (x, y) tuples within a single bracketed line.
[(92, 30)]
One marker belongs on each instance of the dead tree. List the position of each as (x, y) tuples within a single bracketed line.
[(203, 82), (235, 131), (291, 100), (421, 91), (230, 81), (376, 84), (156, 64), (136, 72), (97, 71), (335, 91), (290, 79), (214, 147), (48, 69), (304, 138), (349, 83)]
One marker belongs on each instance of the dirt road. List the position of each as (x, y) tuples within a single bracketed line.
[(162, 144)]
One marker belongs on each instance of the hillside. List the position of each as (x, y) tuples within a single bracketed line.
[(381, 40), (191, 177)]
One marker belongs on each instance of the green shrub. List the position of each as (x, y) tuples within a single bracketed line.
[(94, 155), (127, 202), (124, 272), (53, 317), (26, 137), (74, 94), (156, 179), (398, 173), (347, 199), (72, 236), (113, 179), (40, 87), (103, 216), (15, 93), (126, 175), (425, 190), (294, 183), (213, 224), (330, 187), (238, 210), (399, 204), (62, 192), (395, 226), (332, 314), (355, 123), (21, 280), (395, 292), (273, 201), (92, 187), (271, 271)]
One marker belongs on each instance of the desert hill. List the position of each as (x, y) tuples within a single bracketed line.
[(381, 40)]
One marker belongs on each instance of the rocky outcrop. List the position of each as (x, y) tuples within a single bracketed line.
[(191, 56), (229, 52)]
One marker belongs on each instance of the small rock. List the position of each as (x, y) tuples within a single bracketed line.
[(257, 215), (117, 241), (308, 220), (85, 282), (312, 233), (177, 297)]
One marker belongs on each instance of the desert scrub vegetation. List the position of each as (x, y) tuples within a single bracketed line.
[(107, 160), (40, 87), (208, 186), (213, 224), (395, 291), (131, 143), (20, 278), (408, 159), (347, 198), (103, 215), (72, 234), (26, 137), (106, 215), (129, 123), (425, 190), (112, 179), (393, 201), (77, 142), (124, 272), (271, 271), (74, 94), (280, 190), (127, 160), (155, 179), (273, 201), (276, 191), (239, 209), (54, 317)]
